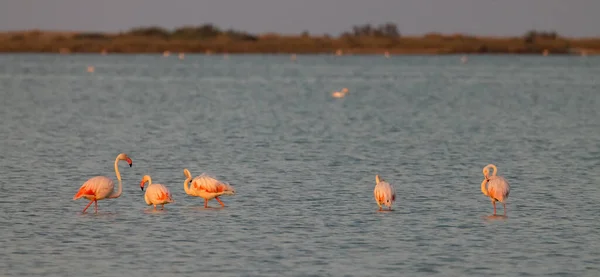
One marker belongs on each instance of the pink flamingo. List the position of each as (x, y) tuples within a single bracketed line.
[(206, 187), (384, 193), (495, 187), (156, 194), (101, 187)]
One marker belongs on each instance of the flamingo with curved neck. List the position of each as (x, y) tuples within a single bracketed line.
[(102, 187), (156, 194), (486, 179), (206, 187), (495, 187)]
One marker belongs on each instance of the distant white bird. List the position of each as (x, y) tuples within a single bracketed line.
[(495, 187), (340, 94), (384, 192)]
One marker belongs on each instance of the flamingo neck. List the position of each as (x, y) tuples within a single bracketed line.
[(120, 189), (187, 181), (495, 169), (484, 187)]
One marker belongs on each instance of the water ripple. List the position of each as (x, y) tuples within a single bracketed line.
[(303, 165)]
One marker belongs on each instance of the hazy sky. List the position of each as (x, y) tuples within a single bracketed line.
[(482, 17)]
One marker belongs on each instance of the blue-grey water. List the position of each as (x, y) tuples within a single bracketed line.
[(303, 165)]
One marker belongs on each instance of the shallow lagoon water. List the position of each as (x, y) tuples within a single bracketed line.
[(303, 165)]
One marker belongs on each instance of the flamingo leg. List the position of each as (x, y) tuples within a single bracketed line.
[(86, 207), (494, 203), (223, 205), (503, 204), (162, 207), (96, 206), (205, 203), (155, 207)]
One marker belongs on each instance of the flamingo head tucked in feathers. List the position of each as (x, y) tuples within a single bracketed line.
[(145, 180)]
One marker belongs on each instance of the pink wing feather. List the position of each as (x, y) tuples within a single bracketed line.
[(94, 186), (210, 184)]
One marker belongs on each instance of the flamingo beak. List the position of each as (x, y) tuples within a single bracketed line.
[(142, 185), (130, 162)]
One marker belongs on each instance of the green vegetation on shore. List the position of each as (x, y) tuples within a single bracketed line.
[(365, 39)]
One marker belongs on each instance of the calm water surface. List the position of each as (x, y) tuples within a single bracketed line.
[(303, 165)]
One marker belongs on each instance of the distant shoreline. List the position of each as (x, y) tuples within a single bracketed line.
[(363, 40), (298, 55), (349, 54)]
